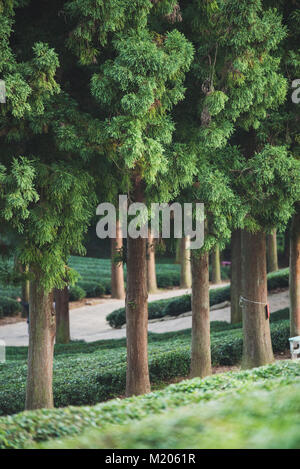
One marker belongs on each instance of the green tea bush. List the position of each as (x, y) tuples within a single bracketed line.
[(182, 304), (258, 418), (9, 307), (168, 279), (88, 378), (92, 289), (278, 279), (26, 428), (76, 293), (117, 318)]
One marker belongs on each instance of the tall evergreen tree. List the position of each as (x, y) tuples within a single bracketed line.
[(282, 128), (136, 77), (234, 81), (44, 194)]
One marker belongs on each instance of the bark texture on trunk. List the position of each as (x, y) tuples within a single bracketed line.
[(41, 346), (216, 266), (117, 271), (295, 275), (137, 378), (236, 277), (185, 271), (62, 316), (272, 252), (151, 271), (257, 346), (201, 353)]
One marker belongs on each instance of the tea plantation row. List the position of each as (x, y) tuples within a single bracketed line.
[(94, 281), (92, 373), (182, 304), (245, 402), (262, 416)]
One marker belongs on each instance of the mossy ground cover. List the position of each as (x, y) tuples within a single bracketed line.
[(222, 402)]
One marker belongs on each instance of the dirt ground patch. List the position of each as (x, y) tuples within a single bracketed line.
[(87, 302), (11, 320)]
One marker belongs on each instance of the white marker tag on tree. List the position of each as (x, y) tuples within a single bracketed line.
[(2, 92)]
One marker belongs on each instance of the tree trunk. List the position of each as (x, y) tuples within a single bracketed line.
[(39, 392), (25, 288), (295, 276), (178, 251), (201, 354), (257, 348), (151, 271), (62, 316), (272, 252), (185, 273), (117, 272), (137, 378), (216, 266), (286, 251), (236, 277)]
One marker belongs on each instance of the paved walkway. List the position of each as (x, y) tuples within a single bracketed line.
[(89, 322)]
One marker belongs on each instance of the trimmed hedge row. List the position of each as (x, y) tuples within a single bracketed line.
[(250, 419), (117, 318), (81, 347), (76, 293), (23, 429), (182, 304), (88, 378), (9, 307), (92, 289)]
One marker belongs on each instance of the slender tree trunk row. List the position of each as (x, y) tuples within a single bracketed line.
[(257, 346), (249, 280), (272, 252), (137, 377), (216, 266), (185, 256), (201, 354), (178, 252), (151, 271), (25, 288), (39, 392), (117, 272)]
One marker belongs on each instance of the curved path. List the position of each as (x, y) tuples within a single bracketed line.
[(89, 322)]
